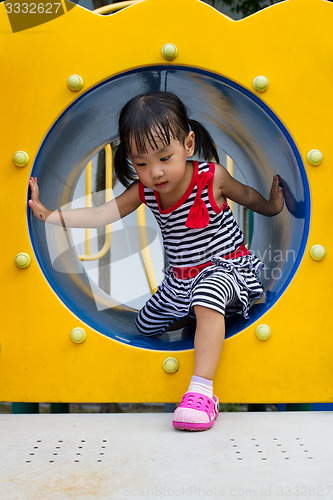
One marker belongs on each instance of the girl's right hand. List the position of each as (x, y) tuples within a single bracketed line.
[(276, 197), (36, 206)]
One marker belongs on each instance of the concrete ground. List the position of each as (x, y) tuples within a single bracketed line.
[(118, 456)]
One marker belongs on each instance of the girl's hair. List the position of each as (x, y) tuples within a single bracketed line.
[(154, 115)]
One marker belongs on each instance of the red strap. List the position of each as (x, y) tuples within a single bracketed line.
[(142, 193)]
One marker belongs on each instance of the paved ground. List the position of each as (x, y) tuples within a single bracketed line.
[(118, 456)]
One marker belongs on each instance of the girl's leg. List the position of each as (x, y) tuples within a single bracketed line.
[(152, 320), (199, 407), (208, 341), (210, 298), (160, 312)]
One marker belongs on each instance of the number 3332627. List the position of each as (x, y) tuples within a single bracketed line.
[(33, 8)]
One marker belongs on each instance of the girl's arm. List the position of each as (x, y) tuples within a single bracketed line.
[(102, 215), (247, 196)]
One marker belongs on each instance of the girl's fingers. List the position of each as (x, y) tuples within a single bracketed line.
[(273, 188), (34, 192), (34, 187), (276, 183)]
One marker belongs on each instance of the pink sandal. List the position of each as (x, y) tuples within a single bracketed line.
[(196, 412)]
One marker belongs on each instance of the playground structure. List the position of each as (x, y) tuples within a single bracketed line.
[(276, 124)]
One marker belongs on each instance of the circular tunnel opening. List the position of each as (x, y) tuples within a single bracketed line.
[(242, 126)]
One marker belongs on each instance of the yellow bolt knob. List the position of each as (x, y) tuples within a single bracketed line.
[(21, 158), (75, 83), (169, 51), (317, 252), (314, 157), (170, 365), (78, 335), (260, 83), (22, 260), (263, 332)]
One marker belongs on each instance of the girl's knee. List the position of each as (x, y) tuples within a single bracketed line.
[(208, 312)]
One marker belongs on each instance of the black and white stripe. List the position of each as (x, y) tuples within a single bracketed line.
[(227, 286), (187, 247)]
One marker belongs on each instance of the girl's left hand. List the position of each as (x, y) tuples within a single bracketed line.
[(276, 198)]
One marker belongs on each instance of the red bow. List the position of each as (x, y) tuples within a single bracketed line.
[(198, 216)]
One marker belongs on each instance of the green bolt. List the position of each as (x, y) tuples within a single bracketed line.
[(22, 260)]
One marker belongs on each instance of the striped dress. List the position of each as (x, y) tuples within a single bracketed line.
[(208, 264)]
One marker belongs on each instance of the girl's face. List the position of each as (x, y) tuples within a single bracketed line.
[(164, 168)]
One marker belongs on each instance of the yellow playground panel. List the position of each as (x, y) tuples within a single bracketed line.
[(263, 87)]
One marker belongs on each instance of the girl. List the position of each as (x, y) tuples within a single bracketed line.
[(210, 273)]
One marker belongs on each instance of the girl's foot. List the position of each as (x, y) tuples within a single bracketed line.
[(196, 412)]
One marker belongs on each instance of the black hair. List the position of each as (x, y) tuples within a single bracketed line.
[(154, 115)]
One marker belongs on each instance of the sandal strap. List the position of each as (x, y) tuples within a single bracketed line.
[(201, 402)]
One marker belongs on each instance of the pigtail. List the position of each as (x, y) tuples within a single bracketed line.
[(204, 145), (122, 167)]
